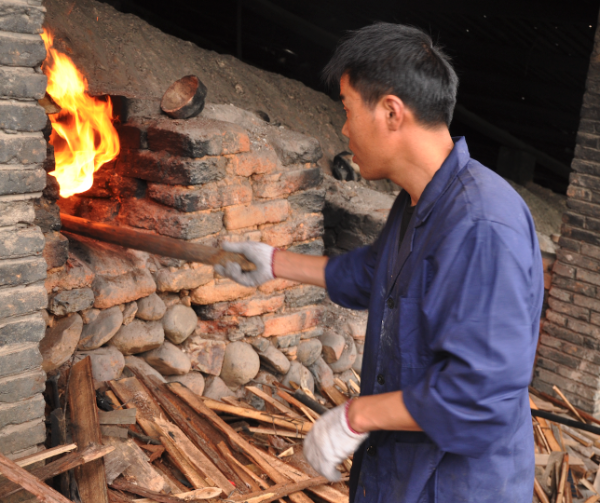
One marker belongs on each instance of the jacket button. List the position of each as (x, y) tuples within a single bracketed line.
[(371, 450), (390, 303), (381, 379)]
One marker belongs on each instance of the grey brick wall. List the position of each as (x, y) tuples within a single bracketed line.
[(569, 349), (22, 266)]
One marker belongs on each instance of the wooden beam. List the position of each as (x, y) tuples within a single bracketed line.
[(85, 428)]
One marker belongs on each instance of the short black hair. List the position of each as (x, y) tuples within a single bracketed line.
[(387, 58)]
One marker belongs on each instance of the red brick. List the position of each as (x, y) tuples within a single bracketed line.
[(560, 294), (282, 184), (587, 276), (563, 270), (256, 306), (222, 291), (255, 162), (276, 285), (238, 217), (557, 318), (293, 231), (293, 322), (234, 191), (580, 313), (581, 300)]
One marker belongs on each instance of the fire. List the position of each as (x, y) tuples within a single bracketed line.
[(83, 134)]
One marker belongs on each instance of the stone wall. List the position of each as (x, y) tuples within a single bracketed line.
[(569, 350), (22, 266)]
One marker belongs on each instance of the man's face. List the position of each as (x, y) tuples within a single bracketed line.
[(366, 129)]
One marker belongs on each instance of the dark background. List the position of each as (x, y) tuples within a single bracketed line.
[(522, 63)]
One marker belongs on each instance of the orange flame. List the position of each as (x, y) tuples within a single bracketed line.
[(83, 134)]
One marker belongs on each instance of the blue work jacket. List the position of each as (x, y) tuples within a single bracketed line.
[(453, 322)]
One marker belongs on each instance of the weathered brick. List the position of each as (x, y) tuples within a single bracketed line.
[(147, 214), (255, 306), (592, 238), (98, 210), (22, 300), (570, 361), (588, 154), (222, 291), (21, 115), (21, 179), (582, 403), (315, 247), (562, 333), (183, 279), (22, 412), (574, 349), (56, 249), (565, 384), (21, 242), (304, 295), (238, 217), (587, 167), (294, 230), (21, 386), (15, 210), (578, 260), (202, 197), (308, 201), (569, 244), (582, 327), (574, 219), (21, 17), (31, 328), (132, 135), (580, 193), (560, 294), (574, 311), (20, 49), (292, 322), (71, 301), (282, 184), (254, 162), (18, 358), (23, 148), (162, 167), (574, 286), (21, 271), (22, 83), (15, 438), (197, 137), (293, 147), (583, 301), (584, 208), (587, 139), (568, 372), (276, 285), (587, 181), (47, 214), (206, 355), (590, 250), (587, 276)]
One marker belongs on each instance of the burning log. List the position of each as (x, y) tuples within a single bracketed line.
[(185, 98), (160, 245)]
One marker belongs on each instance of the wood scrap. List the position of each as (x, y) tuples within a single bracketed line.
[(85, 429), (274, 431), (253, 481), (275, 403), (279, 491), (297, 402), (118, 416), (46, 454), (567, 403), (196, 495), (114, 431), (334, 395), (123, 485)]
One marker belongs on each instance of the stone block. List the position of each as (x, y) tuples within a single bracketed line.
[(285, 341), (30, 328), (15, 438), (47, 215), (21, 179), (19, 357), (74, 275), (197, 137), (168, 359), (257, 161), (138, 337), (22, 412), (206, 355), (71, 301), (18, 387), (183, 279), (21, 49), (304, 295), (279, 185), (22, 300), (99, 328), (123, 187), (222, 291), (21, 17), (161, 167), (308, 201), (56, 249), (14, 211), (132, 136), (22, 83), (21, 115), (294, 230), (146, 214), (23, 148), (293, 147), (314, 247), (255, 306), (580, 313), (243, 327), (203, 197), (21, 242), (238, 217)]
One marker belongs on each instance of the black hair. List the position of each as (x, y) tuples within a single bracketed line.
[(386, 58)]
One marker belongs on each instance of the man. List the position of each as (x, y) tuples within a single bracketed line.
[(453, 286)]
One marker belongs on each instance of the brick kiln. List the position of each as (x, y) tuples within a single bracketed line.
[(223, 175)]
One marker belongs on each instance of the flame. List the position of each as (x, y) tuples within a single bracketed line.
[(83, 134)]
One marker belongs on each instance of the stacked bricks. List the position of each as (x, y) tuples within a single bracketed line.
[(22, 265), (569, 350)]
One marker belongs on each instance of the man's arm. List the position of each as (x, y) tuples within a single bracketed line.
[(303, 268), (381, 412)]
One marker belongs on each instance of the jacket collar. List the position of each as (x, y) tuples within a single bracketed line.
[(454, 163)]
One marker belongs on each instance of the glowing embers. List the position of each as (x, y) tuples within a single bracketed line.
[(83, 134)]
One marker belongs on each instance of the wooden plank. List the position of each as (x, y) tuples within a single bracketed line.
[(114, 431), (253, 481), (296, 403), (43, 455), (546, 430), (119, 416), (85, 429), (62, 465), (542, 460), (279, 491), (334, 395), (275, 403), (197, 495), (27, 481), (274, 431), (175, 485), (123, 485)]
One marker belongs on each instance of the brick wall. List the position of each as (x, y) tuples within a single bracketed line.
[(569, 350), (22, 265)]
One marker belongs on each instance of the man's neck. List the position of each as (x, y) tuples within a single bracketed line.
[(419, 158)]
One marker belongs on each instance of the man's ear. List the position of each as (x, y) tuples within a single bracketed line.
[(394, 111)]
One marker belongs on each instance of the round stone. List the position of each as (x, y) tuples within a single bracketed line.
[(138, 336), (240, 364), (300, 375), (100, 329), (347, 358), (194, 381), (107, 363), (179, 323), (150, 308), (168, 359), (308, 351), (60, 341)]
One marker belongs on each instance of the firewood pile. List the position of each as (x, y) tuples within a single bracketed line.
[(567, 451), (140, 440)]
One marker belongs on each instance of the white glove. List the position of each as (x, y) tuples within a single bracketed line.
[(330, 441), (260, 254)]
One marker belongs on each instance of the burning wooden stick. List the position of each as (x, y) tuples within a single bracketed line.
[(145, 241)]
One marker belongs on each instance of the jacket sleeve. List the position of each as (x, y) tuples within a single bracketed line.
[(349, 277), (481, 314)]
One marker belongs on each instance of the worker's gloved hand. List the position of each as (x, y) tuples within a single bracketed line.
[(330, 441), (260, 254)]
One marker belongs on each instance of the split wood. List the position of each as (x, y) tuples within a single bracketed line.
[(48, 453), (546, 430), (198, 494), (295, 402), (571, 408), (123, 485), (275, 403), (279, 491)]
